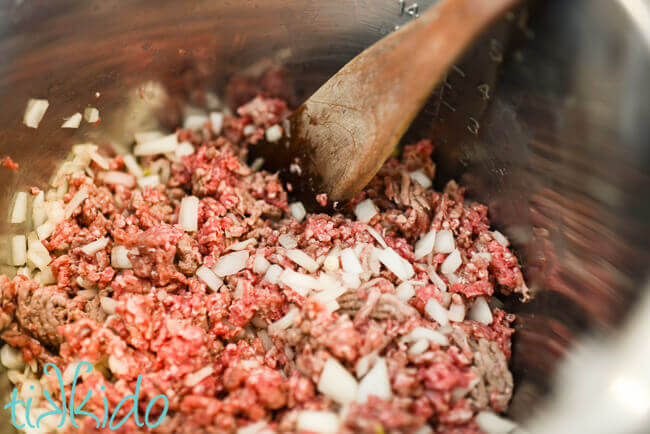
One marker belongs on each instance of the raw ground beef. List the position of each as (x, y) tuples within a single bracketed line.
[(254, 349)]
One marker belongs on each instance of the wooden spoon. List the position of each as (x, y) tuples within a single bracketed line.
[(343, 133)]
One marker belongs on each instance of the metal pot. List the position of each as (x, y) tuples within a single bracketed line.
[(546, 120)]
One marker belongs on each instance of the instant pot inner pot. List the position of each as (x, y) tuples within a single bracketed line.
[(545, 120)]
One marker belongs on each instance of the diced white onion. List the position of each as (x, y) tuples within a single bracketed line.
[(88, 294), (257, 164), (70, 370), (216, 119), (350, 280), (299, 282), (364, 363), (19, 210), (109, 305), (39, 214), (115, 177), (283, 323), (421, 178), (274, 133), (377, 236), (23, 271), (133, 166), (11, 358), (405, 291), (500, 238), (73, 121), (297, 210), (31, 389), (231, 263), (260, 264), (195, 121), (337, 383), (35, 111), (492, 423), (484, 255), (76, 200), (480, 311), (209, 278), (376, 382), (432, 336), (184, 149), (266, 339), (451, 263), (94, 247), (195, 378), (331, 262), (350, 262), (303, 259), (425, 245), (147, 136), (419, 347), (91, 115), (445, 242), (436, 311), (46, 277), (365, 210), (55, 211), (332, 306), (287, 241), (456, 312), (149, 181), (272, 275), (437, 280), (188, 216), (120, 258), (117, 365), (18, 250), (161, 145), (312, 421), (395, 263), (260, 427), (38, 254), (329, 294)]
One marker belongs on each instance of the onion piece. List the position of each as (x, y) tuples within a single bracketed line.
[(445, 242), (108, 304), (161, 145), (19, 210), (299, 282), (437, 280), (91, 115), (188, 216), (492, 423), (332, 306), (39, 215), (46, 277), (302, 259), (364, 363), (331, 262), (196, 377), (425, 245), (260, 264), (216, 120), (377, 236), (23, 271), (485, 256), (38, 254), (430, 335), (184, 149), (266, 339), (76, 200), (35, 111), (195, 121), (297, 210), (419, 347), (149, 181), (273, 134), (91, 248), (312, 421), (120, 258), (272, 275), (365, 210), (72, 122), (480, 311), (329, 294), (133, 166), (260, 427), (500, 238), (231, 263), (451, 263), (283, 323), (421, 178), (18, 250), (395, 263), (287, 241), (456, 312), (375, 382), (436, 311), (405, 291), (350, 280), (147, 136), (115, 177), (11, 358), (337, 383), (208, 277), (350, 262)]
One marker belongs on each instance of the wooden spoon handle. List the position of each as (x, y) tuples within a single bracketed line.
[(352, 123)]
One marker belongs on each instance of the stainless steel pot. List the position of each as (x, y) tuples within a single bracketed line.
[(546, 119)]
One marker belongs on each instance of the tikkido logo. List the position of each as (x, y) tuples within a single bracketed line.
[(69, 409)]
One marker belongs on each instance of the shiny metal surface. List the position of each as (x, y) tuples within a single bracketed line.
[(546, 120)]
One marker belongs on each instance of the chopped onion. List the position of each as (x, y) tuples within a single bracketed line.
[(115, 177), (363, 364), (161, 145), (260, 427), (426, 429), (456, 312), (500, 238), (257, 164), (299, 282), (437, 280), (376, 382), (303, 259), (445, 241), (216, 119), (350, 280), (46, 277), (405, 291), (331, 262), (88, 294), (76, 200), (11, 358), (436, 311), (195, 378), (432, 336), (19, 210), (94, 247), (73, 121), (184, 149), (266, 339), (35, 111), (231, 263), (395, 263), (274, 133), (147, 136), (133, 166), (350, 262), (38, 254), (272, 275), (332, 306), (421, 178), (480, 311), (492, 423), (419, 347), (484, 255), (188, 216), (195, 121), (209, 278), (18, 250), (329, 294), (451, 263), (337, 383), (31, 389), (91, 115), (425, 245), (260, 264), (108, 304), (120, 258), (297, 210), (287, 241), (23, 271), (39, 215), (312, 421), (365, 210), (377, 236), (283, 323)]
